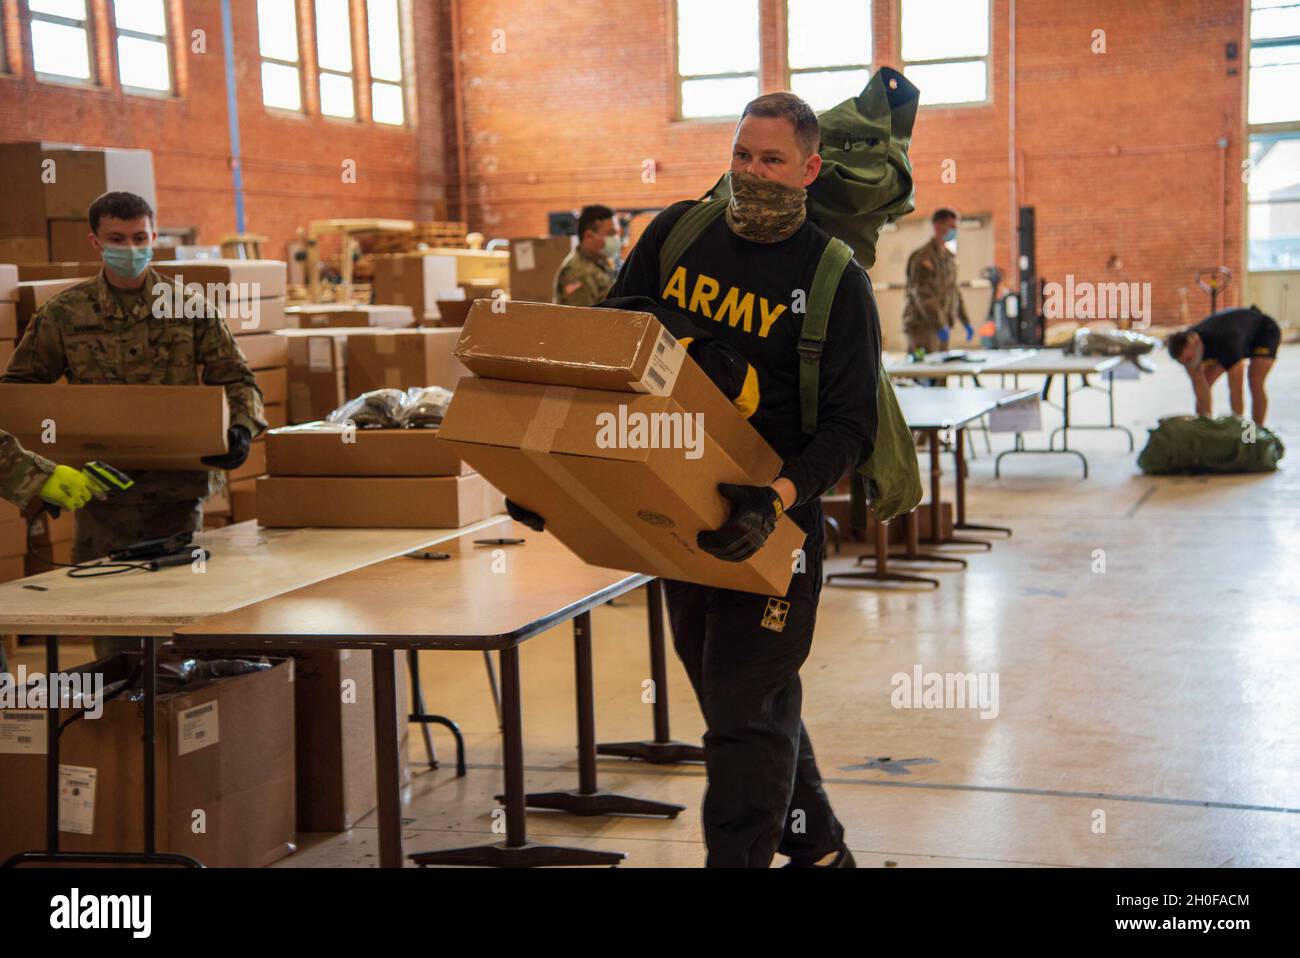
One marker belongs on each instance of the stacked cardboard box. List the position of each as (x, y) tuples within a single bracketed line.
[(41, 209), (348, 315), (402, 359), (49, 541), (71, 270), (415, 281), (225, 750), (533, 264), (334, 477), (8, 312), (597, 420), (35, 294), (13, 543)]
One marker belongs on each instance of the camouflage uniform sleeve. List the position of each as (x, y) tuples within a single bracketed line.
[(224, 365), (573, 287), (39, 356), (22, 473)]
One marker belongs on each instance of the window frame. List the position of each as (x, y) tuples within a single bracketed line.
[(298, 65), (1272, 130), (87, 28), (351, 75), (165, 39), (987, 58), (401, 83), (791, 72), (1270, 42), (679, 79)]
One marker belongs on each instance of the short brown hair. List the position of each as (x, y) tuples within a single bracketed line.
[(1177, 342), (119, 206), (807, 131)]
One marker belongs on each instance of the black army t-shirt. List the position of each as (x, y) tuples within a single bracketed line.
[(1232, 335), (753, 296)]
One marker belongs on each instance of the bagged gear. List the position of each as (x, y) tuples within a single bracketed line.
[(1197, 444)]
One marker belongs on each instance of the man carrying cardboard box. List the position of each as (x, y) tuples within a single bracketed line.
[(760, 272), (122, 327)]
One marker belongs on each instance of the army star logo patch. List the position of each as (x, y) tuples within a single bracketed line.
[(774, 615)]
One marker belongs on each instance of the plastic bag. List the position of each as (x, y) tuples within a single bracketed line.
[(425, 406), (379, 407)]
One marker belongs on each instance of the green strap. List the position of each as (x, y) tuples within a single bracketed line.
[(688, 228), (812, 336)]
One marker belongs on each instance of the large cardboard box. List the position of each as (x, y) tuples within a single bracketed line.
[(414, 281), (8, 321), (625, 475), (244, 279), (224, 763), (7, 347), (22, 214), (83, 175), (327, 449), (24, 249), (274, 384), (254, 465), (11, 568), (441, 502), (348, 316), (140, 427), (9, 277), (401, 359), (13, 532), (317, 368), (265, 351), (70, 241), (35, 294), (75, 270), (276, 415), (256, 316), (533, 264), (243, 499)]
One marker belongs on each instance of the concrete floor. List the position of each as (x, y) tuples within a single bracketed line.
[(1147, 715)]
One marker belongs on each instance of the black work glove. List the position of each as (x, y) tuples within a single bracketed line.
[(754, 511), (238, 442), (526, 516)]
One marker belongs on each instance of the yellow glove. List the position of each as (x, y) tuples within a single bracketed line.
[(69, 488)]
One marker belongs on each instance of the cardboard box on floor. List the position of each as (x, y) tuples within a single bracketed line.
[(326, 449), (534, 261), (567, 443), (434, 502), (140, 427), (339, 315), (225, 749), (402, 359)]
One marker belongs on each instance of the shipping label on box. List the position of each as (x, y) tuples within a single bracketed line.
[(197, 728), (77, 799), (22, 731)]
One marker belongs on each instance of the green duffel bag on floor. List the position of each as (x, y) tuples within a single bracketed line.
[(1196, 444)]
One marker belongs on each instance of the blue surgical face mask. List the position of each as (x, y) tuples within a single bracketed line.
[(612, 246), (128, 261), (951, 235)]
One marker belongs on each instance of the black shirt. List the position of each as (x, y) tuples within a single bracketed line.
[(1229, 334), (746, 294)]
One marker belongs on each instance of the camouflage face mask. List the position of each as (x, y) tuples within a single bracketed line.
[(764, 211)]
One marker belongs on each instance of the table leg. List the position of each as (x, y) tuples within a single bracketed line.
[(589, 799), (662, 750), (425, 719), (881, 572), (388, 789), (515, 851), (960, 467), (936, 536)]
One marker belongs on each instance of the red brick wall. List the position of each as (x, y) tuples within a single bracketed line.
[(292, 163), (1117, 150)]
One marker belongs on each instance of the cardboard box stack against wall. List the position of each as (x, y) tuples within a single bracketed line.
[(584, 416)]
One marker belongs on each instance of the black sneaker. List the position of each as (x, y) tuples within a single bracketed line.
[(843, 860)]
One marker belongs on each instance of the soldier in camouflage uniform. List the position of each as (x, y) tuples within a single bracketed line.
[(933, 303), (587, 273), (22, 473), (114, 329)]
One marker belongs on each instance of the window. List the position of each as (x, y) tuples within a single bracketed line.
[(142, 59), (334, 56), (387, 100), (1273, 202), (277, 31), (1274, 61), (60, 39), (828, 48), (717, 56), (945, 49)]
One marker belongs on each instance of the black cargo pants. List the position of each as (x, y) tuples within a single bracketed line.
[(742, 653)]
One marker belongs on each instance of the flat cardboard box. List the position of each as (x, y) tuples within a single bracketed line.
[(67, 270), (317, 370), (451, 312), (276, 415), (256, 317), (24, 249), (402, 359), (13, 532), (12, 567), (592, 348), (8, 320), (347, 316), (131, 427), (534, 262), (243, 499), (83, 175), (251, 278), (254, 465), (9, 277), (619, 505), (274, 384), (225, 748), (265, 351), (35, 294), (70, 240), (442, 502), (323, 449), (414, 281)]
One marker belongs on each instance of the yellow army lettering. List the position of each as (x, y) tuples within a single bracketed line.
[(735, 309)]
